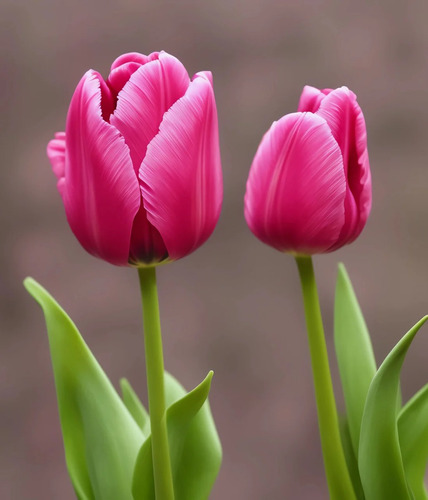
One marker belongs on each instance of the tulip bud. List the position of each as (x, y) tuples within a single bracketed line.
[(309, 187), (138, 166)]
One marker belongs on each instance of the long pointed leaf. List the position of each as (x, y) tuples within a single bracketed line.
[(194, 445), (135, 407), (379, 460), (101, 439), (199, 456), (354, 352), (351, 460), (413, 434), (143, 483)]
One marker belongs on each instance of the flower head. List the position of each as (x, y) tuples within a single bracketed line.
[(138, 166), (309, 187)]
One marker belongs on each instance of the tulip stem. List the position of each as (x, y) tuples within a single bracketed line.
[(164, 488), (338, 479)]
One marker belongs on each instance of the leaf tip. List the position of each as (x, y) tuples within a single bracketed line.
[(209, 377), (342, 273), (35, 289), (124, 384), (30, 284), (423, 320)]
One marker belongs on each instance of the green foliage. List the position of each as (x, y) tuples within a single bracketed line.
[(107, 442), (354, 352), (390, 444), (380, 461), (413, 435), (195, 448), (135, 407), (351, 459), (101, 439)]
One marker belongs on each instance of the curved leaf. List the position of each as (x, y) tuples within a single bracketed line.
[(379, 460), (195, 448), (351, 460), (135, 407), (143, 484), (199, 456), (101, 439), (173, 390), (354, 352), (413, 434)]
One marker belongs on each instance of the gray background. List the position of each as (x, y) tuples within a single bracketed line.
[(234, 305)]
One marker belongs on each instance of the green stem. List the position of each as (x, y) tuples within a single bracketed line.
[(155, 384), (338, 479)]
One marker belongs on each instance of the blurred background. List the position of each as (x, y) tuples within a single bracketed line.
[(233, 306)]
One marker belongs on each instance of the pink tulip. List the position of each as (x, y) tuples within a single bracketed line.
[(138, 166), (309, 187)]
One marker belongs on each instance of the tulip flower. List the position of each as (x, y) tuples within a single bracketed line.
[(138, 166), (309, 192), (309, 188), (139, 172)]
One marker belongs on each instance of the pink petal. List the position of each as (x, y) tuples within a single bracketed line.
[(311, 98), (181, 179), (101, 193), (147, 245), (207, 75), (360, 180), (108, 101), (133, 57), (61, 186), (125, 65), (142, 102), (296, 186), (339, 111), (346, 121), (56, 154), (120, 75)]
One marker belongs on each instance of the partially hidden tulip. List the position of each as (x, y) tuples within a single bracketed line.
[(138, 166), (309, 187)]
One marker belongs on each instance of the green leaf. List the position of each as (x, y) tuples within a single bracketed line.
[(101, 439), (379, 460), (351, 460), (198, 456), (143, 484), (413, 434), (195, 448), (354, 352), (173, 389), (135, 407)]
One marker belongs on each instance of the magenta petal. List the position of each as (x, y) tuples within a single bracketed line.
[(205, 74), (120, 75), (56, 154), (181, 179), (360, 180), (311, 98), (131, 57), (346, 121), (147, 245), (101, 192), (125, 65), (296, 186), (339, 111), (142, 102)]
